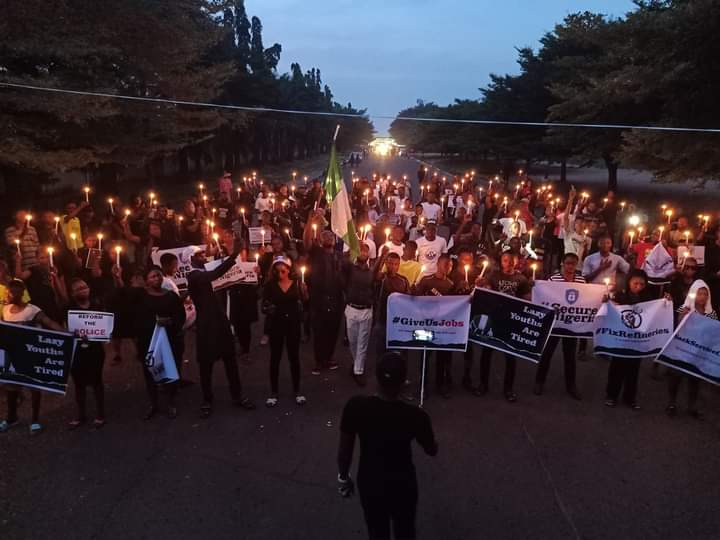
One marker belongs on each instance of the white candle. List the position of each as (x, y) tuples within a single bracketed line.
[(28, 217), (484, 267), (632, 235), (661, 229), (216, 237), (87, 194), (262, 233), (17, 244), (530, 240), (534, 269), (99, 237), (302, 273), (110, 202), (118, 249), (50, 255), (467, 267), (315, 233), (607, 285), (387, 235), (57, 223)]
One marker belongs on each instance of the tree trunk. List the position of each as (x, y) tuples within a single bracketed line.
[(612, 167), (563, 171)]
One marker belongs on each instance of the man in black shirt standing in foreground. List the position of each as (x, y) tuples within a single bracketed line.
[(386, 475)]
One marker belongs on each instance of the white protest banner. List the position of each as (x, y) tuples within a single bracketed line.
[(183, 255), (159, 358), (437, 323), (694, 348), (241, 273), (633, 331), (696, 252), (257, 237), (94, 325), (575, 305), (659, 264), (509, 324)]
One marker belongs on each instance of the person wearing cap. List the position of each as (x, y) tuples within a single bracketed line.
[(358, 283), (326, 291), (214, 337), (429, 248), (386, 427), (282, 300)]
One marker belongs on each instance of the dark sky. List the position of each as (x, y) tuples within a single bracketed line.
[(385, 55)]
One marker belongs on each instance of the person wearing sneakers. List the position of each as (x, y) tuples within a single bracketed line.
[(386, 428), (282, 304), (358, 283), (16, 311)]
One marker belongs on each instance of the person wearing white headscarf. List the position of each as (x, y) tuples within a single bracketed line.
[(698, 299)]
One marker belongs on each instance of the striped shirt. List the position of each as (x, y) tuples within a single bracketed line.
[(558, 276)]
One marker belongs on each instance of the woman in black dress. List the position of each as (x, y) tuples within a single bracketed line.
[(87, 366), (156, 306), (282, 304)]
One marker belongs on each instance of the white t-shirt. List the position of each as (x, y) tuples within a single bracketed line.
[(431, 210), (27, 315), (512, 228), (399, 204), (372, 248), (592, 263), (429, 251), (579, 244), (263, 204), (169, 285)]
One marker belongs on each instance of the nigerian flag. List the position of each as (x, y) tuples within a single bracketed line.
[(341, 219)]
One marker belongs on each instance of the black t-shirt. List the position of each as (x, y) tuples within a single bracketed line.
[(386, 429), (512, 284)]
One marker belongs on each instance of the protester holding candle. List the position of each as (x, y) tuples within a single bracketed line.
[(29, 244), (282, 304)]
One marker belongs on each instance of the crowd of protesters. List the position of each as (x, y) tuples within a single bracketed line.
[(455, 234)]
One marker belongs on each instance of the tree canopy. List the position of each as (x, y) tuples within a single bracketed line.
[(207, 51), (657, 66)]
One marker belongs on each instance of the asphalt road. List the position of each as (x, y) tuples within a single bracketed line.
[(544, 467)]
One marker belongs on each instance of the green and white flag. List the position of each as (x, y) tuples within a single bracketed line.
[(341, 220)]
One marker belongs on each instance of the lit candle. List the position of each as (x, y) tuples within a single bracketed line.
[(687, 237), (315, 232), (467, 267), (180, 220), (367, 230), (622, 206), (669, 214), (530, 233), (118, 249), (632, 235), (50, 255), (257, 257), (442, 203), (262, 233), (201, 187), (212, 227), (605, 201), (607, 285), (661, 229), (28, 217), (484, 267), (205, 199), (517, 215), (534, 269), (127, 214), (216, 237), (99, 237), (17, 244), (57, 223), (110, 202), (242, 213), (387, 234), (302, 273), (86, 189), (367, 197), (73, 237), (705, 219)]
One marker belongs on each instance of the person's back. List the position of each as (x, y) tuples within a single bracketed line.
[(386, 428)]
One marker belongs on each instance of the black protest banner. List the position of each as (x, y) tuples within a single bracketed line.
[(40, 359), (510, 324)]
